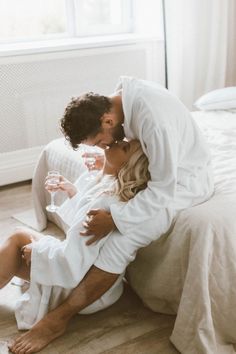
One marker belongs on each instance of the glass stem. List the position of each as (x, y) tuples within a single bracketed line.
[(52, 199)]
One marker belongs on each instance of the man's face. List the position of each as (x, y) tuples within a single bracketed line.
[(110, 132)]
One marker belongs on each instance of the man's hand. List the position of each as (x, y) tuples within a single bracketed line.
[(99, 224)]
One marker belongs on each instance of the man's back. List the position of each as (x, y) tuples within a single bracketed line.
[(177, 152)]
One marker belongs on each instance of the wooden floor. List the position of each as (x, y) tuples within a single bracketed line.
[(127, 327)]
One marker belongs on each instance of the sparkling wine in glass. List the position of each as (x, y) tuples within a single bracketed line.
[(90, 155), (52, 181)]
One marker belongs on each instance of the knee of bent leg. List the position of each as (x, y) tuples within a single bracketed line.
[(19, 238)]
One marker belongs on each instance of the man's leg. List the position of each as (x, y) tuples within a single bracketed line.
[(95, 283)]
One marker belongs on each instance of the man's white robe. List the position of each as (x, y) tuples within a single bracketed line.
[(179, 164)]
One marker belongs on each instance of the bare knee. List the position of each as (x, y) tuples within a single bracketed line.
[(20, 238)]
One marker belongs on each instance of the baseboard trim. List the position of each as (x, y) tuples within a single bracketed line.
[(18, 166)]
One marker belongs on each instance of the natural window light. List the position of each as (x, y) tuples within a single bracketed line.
[(33, 25), (26, 20)]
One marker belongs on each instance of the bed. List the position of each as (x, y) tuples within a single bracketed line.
[(191, 270)]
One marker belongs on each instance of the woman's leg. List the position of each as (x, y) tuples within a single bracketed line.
[(11, 262)]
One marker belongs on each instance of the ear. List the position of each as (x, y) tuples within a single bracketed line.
[(107, 120)]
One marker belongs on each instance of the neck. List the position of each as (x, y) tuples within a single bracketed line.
[(109, 170), (116, 101)]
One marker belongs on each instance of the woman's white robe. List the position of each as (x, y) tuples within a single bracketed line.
[(58, 266)]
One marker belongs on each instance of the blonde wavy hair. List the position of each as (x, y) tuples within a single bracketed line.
[(133, 176)]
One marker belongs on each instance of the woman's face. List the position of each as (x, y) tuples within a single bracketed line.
[(119, 153)]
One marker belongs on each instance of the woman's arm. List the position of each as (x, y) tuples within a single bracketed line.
[(64, 185)]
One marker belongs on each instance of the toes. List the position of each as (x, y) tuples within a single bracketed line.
[(23, 348), (18, 348), (18, 345), (26, 349)]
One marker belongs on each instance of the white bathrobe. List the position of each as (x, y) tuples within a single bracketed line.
[(179, 164), (58, 266)]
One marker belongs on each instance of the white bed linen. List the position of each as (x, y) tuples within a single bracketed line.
[(192, 270)]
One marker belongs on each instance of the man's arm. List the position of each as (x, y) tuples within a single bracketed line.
[(151, 210), (92, 287), (95, 283)]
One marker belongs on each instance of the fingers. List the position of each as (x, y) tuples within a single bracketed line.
[(93, 212), (92, 240), (88, 231), (85, 233), (93, 160), (26, 254), (54, 188), (88, 228), (62, 185), (88, 225), (50, 188), (93, 226)]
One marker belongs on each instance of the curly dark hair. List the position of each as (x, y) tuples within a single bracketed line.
[(82, 117)]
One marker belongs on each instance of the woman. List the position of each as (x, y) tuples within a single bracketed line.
[(55, 267)]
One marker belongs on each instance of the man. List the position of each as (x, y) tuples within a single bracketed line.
[(180, 169)]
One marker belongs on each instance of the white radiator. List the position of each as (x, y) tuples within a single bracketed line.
[(35, 89)]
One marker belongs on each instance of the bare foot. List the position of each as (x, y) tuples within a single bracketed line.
[(39, 336)]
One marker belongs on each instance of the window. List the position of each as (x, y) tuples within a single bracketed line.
[(97, 17), (28, 20)]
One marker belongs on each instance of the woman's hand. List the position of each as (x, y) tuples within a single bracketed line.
[(99, 223), (63, 185), (99, 160), (26, 253)]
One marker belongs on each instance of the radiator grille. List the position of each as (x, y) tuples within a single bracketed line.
[(33, 94)]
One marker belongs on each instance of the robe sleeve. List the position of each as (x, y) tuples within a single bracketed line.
[(69, 208), (67, 211), (65, 263), (150, 213)]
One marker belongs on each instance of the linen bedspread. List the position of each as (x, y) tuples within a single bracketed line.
[(192, 270)]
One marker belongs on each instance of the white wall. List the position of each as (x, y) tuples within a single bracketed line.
[(34, 90)]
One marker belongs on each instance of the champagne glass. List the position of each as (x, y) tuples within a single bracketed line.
[(52, 182), (90, 155)]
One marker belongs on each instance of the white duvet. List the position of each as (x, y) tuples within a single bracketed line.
[(191, 271)]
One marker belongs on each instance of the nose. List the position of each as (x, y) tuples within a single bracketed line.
[(122, 143)]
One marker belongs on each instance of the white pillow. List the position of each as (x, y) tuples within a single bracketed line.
[(218, 99)]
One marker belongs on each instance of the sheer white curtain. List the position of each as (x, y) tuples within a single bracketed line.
[(201, 46)]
